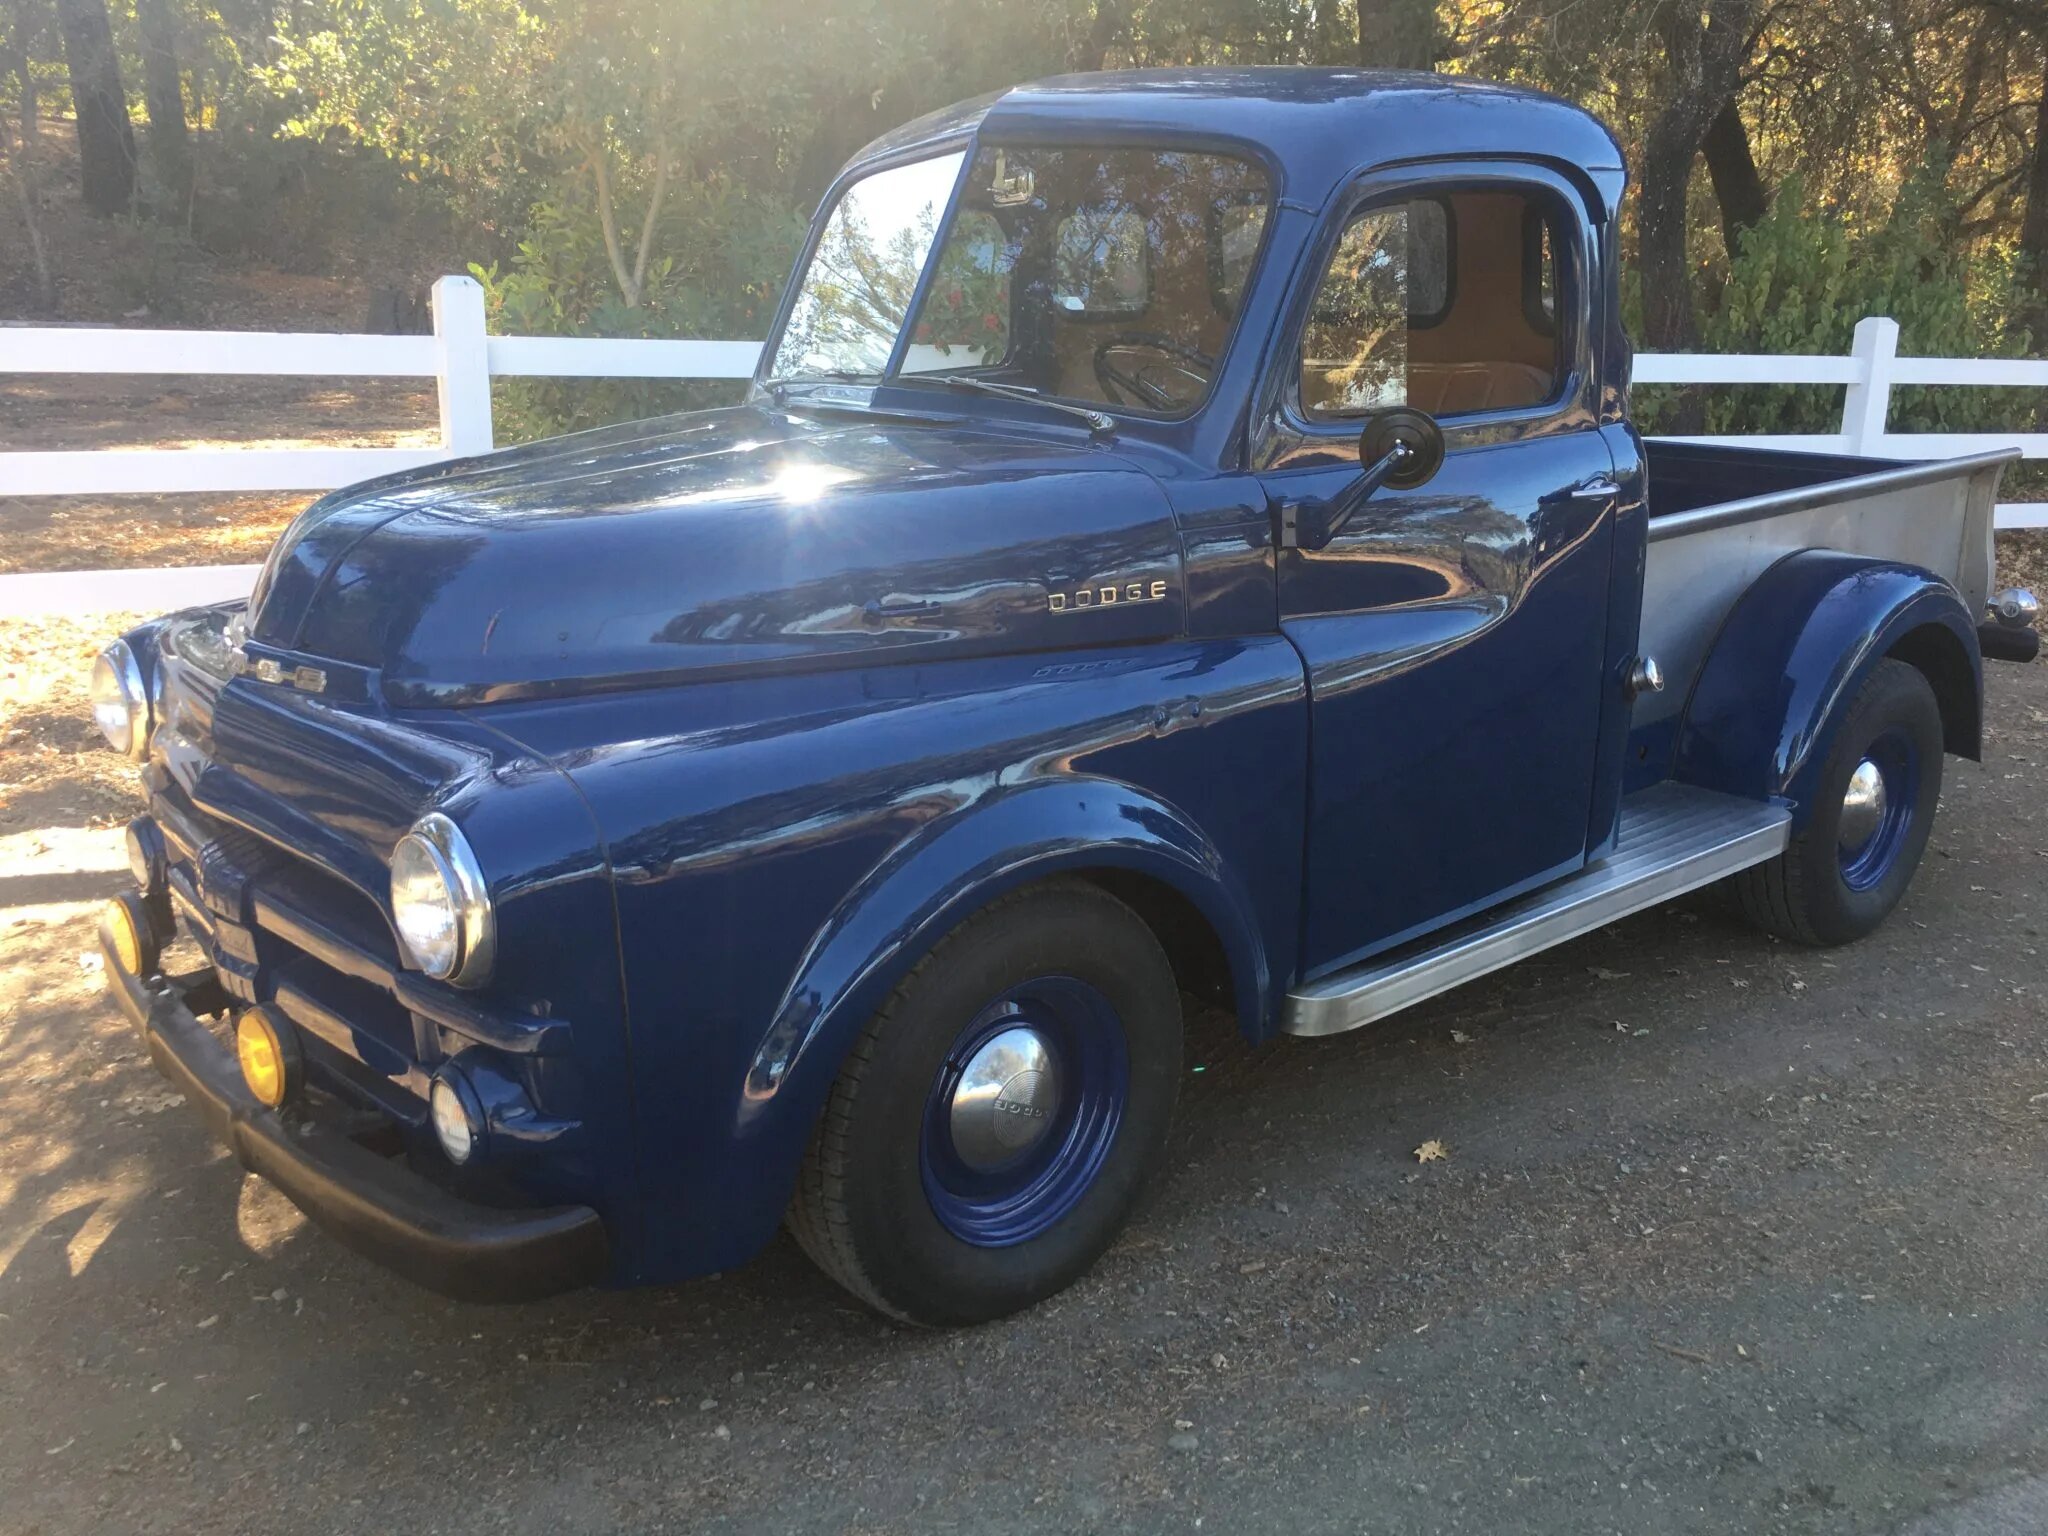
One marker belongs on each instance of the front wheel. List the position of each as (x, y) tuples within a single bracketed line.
[(1874, 801), (994, 1123)]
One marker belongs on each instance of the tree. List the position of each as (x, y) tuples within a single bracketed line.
[(1738, 186), (1703, 54), (1397, 34), (2034, 217), (106, 141), (163, 93), (20, 164)]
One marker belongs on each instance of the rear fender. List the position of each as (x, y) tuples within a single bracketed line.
[(1798, 642), (927, 887)]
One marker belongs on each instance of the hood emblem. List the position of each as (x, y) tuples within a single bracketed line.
[(1106, 594)]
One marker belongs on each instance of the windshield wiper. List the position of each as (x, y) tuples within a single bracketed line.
[(1098, 421), (778, 389)]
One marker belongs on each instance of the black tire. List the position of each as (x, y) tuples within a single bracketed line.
[(862, 1209), (1811, 893)]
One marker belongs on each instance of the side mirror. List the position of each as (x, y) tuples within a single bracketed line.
[(1400, 447)]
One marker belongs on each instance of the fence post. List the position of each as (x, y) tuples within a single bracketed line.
[(465, 366), (1867, 404)]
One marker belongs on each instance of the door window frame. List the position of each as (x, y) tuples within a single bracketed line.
[(1286, 437)]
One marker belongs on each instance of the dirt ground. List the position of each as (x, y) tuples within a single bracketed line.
[(1731, 1237)]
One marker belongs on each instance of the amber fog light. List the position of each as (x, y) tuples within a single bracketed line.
[(126, 935), (269, 1054)]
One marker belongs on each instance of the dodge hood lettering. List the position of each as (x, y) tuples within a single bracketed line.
[(724, 541)]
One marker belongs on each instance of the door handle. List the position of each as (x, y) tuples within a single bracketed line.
[(1600, 488)]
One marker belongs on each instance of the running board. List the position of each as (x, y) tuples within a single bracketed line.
[(1673, 839)]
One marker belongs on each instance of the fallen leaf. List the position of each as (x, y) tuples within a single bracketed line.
[(1459, 1037), (1600, 972), (1432, 1151)]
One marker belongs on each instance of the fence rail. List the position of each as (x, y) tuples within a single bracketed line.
[(462, 360)]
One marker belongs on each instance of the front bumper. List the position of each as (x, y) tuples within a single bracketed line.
[(373, 1204)]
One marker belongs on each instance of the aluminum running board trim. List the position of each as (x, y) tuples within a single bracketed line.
[(1673, 839)]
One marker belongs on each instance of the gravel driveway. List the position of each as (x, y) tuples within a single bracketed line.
[(1730, 1237)]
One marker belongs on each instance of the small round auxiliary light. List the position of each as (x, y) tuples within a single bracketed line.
[(458, 1117), (269, 1054), (127, 936)]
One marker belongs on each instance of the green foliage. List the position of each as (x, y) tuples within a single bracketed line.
[(725, 252), (1804, 277)]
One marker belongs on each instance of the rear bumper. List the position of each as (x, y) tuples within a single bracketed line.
[(2004, 642), (373, 1204)]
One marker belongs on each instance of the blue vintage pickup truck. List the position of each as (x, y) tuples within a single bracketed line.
[(1185, 538)]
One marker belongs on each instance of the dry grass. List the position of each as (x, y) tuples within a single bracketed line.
[(55, 772)]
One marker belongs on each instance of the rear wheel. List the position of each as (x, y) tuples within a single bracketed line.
[(1873, 809), (993, 1125)]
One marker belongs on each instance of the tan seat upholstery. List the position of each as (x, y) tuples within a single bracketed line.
[(1442, 389), (1454, 389)]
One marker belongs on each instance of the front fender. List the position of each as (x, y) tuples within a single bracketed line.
[(1801, 640), (956, 866)]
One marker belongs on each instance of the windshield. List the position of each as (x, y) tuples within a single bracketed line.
[(1092, 275)]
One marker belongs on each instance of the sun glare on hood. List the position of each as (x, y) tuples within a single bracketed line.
[(799, 484)]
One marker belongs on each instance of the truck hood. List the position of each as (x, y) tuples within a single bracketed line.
[(719, 542)]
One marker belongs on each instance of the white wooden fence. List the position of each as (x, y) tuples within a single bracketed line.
[(462, 360)]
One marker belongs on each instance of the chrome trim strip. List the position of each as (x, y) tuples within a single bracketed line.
[(1728, 514), (1674, 839)]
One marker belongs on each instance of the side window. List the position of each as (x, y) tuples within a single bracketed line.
[(1354, 349), (1446, 302)]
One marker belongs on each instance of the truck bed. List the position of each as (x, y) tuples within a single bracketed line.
[(1720, 515)]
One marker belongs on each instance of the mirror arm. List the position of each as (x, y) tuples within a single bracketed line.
[(1316, 523)]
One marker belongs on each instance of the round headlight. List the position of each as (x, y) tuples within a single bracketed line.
[(458, 1124), (120, 706), (440, 904), (146, 856)]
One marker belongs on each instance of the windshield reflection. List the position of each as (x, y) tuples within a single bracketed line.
[(1089, 275), (858, 287)]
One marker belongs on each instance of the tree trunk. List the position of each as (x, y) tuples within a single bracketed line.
[(2034, 219), (16, 62), (1662, 262), (1703, 73), (1090, 53), (106, 141), (1738, 188), (163, 92), (1327, 42), (1397, 34)]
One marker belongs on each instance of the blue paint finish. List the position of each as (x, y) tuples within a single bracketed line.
[(1628, 555), (786, 847), (1897, 760), (1027, 1196), (743, 711), (1817, 621)]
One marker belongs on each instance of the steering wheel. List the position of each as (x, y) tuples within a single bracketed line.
[(1129, 377)]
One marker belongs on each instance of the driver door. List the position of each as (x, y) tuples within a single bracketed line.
[(1454, 635)]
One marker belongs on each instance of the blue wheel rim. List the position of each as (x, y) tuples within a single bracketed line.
[(1014, 1201), (1869, 861)]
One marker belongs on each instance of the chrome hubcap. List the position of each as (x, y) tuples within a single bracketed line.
[(1862, 805), (1006, 1100)]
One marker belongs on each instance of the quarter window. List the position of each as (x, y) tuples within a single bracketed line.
[(1447, 302)]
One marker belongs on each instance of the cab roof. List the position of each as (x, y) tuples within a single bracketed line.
[(1318, 126)]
